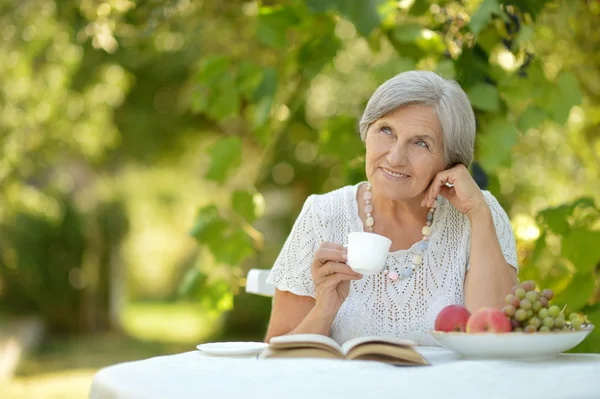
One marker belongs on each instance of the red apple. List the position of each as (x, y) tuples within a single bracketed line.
[(488, 320), (452, 318)]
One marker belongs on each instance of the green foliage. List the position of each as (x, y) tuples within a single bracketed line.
[(89, 90)]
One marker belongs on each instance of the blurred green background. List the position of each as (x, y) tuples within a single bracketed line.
[(152, 152)]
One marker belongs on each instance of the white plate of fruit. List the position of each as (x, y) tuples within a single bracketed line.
[(528, 327)]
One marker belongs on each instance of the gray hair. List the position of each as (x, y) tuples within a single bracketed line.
[(446, 97)]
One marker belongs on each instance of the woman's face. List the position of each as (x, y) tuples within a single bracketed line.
[(405, 150)]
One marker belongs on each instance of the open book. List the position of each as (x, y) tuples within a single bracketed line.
[(396, 351)]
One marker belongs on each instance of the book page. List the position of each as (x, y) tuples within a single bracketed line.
[(387, 353), (299, 340), (348, 345)]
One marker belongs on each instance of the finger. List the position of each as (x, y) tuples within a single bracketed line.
[(331, 269), (333, 280), (336, 267), (331, 245), (325, 255), (445, 179), (434, 190)]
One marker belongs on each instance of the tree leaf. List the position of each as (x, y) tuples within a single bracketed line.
[(225, 99), (392, 67), (565, 97), (533, 7), (267, 86), (235, 248), (243, 203), (531, 118), (318, 52), (582, 248), (496, 145), (340, 139), (555, 218), (419, 8), (210, 228), (578, 292), (362, 13), (446, 69), (212, 67), (249, 77), (407, 33), (273, 25), (484, 97), (225, 155), (483, 15)]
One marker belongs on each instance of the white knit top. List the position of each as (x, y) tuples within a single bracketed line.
[(376, 305)]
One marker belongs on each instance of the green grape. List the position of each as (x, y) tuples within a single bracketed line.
[(544, 302), (548, 294), (509, 310), (544, 329), (576, 324), (518, 329), (548, 322), (521, 314), (528, 285), (536, 306), (532, 296), (534, 321), (559, 321), (543, 313), (512, 300), (529, 313), (520, 293), (525, 304), (554, 310), (574, 316), (530, 329)]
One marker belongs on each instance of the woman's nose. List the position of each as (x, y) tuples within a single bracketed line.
[(397, 154)]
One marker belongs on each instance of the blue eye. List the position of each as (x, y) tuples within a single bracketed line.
[(385, 130), (422, 143)]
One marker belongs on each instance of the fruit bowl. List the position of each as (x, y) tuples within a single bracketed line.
[(511, 345)]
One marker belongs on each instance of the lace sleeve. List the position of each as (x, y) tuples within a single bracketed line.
[(504, 231), (291, 271)]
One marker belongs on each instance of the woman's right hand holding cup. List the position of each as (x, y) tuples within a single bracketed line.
[(332, 277)]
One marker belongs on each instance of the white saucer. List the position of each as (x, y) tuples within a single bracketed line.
[(232, 348)]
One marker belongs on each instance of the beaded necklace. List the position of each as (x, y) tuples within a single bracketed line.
[(421, 246)]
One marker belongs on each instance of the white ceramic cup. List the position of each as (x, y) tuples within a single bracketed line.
[(367, 252)]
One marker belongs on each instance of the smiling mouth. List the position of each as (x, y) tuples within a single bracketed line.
[(394, 174)]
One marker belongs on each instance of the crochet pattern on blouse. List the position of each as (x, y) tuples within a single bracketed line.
[(376, 305)]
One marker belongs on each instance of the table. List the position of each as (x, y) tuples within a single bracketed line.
[(196, 375)]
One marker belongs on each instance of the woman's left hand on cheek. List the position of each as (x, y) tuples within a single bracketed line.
[(465, 195)]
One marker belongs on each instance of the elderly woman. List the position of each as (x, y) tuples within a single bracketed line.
[(452, 243)]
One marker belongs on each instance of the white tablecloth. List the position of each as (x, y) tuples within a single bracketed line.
[(196, 375)]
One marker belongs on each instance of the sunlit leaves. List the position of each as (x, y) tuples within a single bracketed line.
[(582, 248), (578, 292), (274, 25), (362, 13), (532, 117), (484, 97), (496, 145), (243, 203), (566, 95), (227, 241), (318, 52), (483, 15), (225, 157)]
